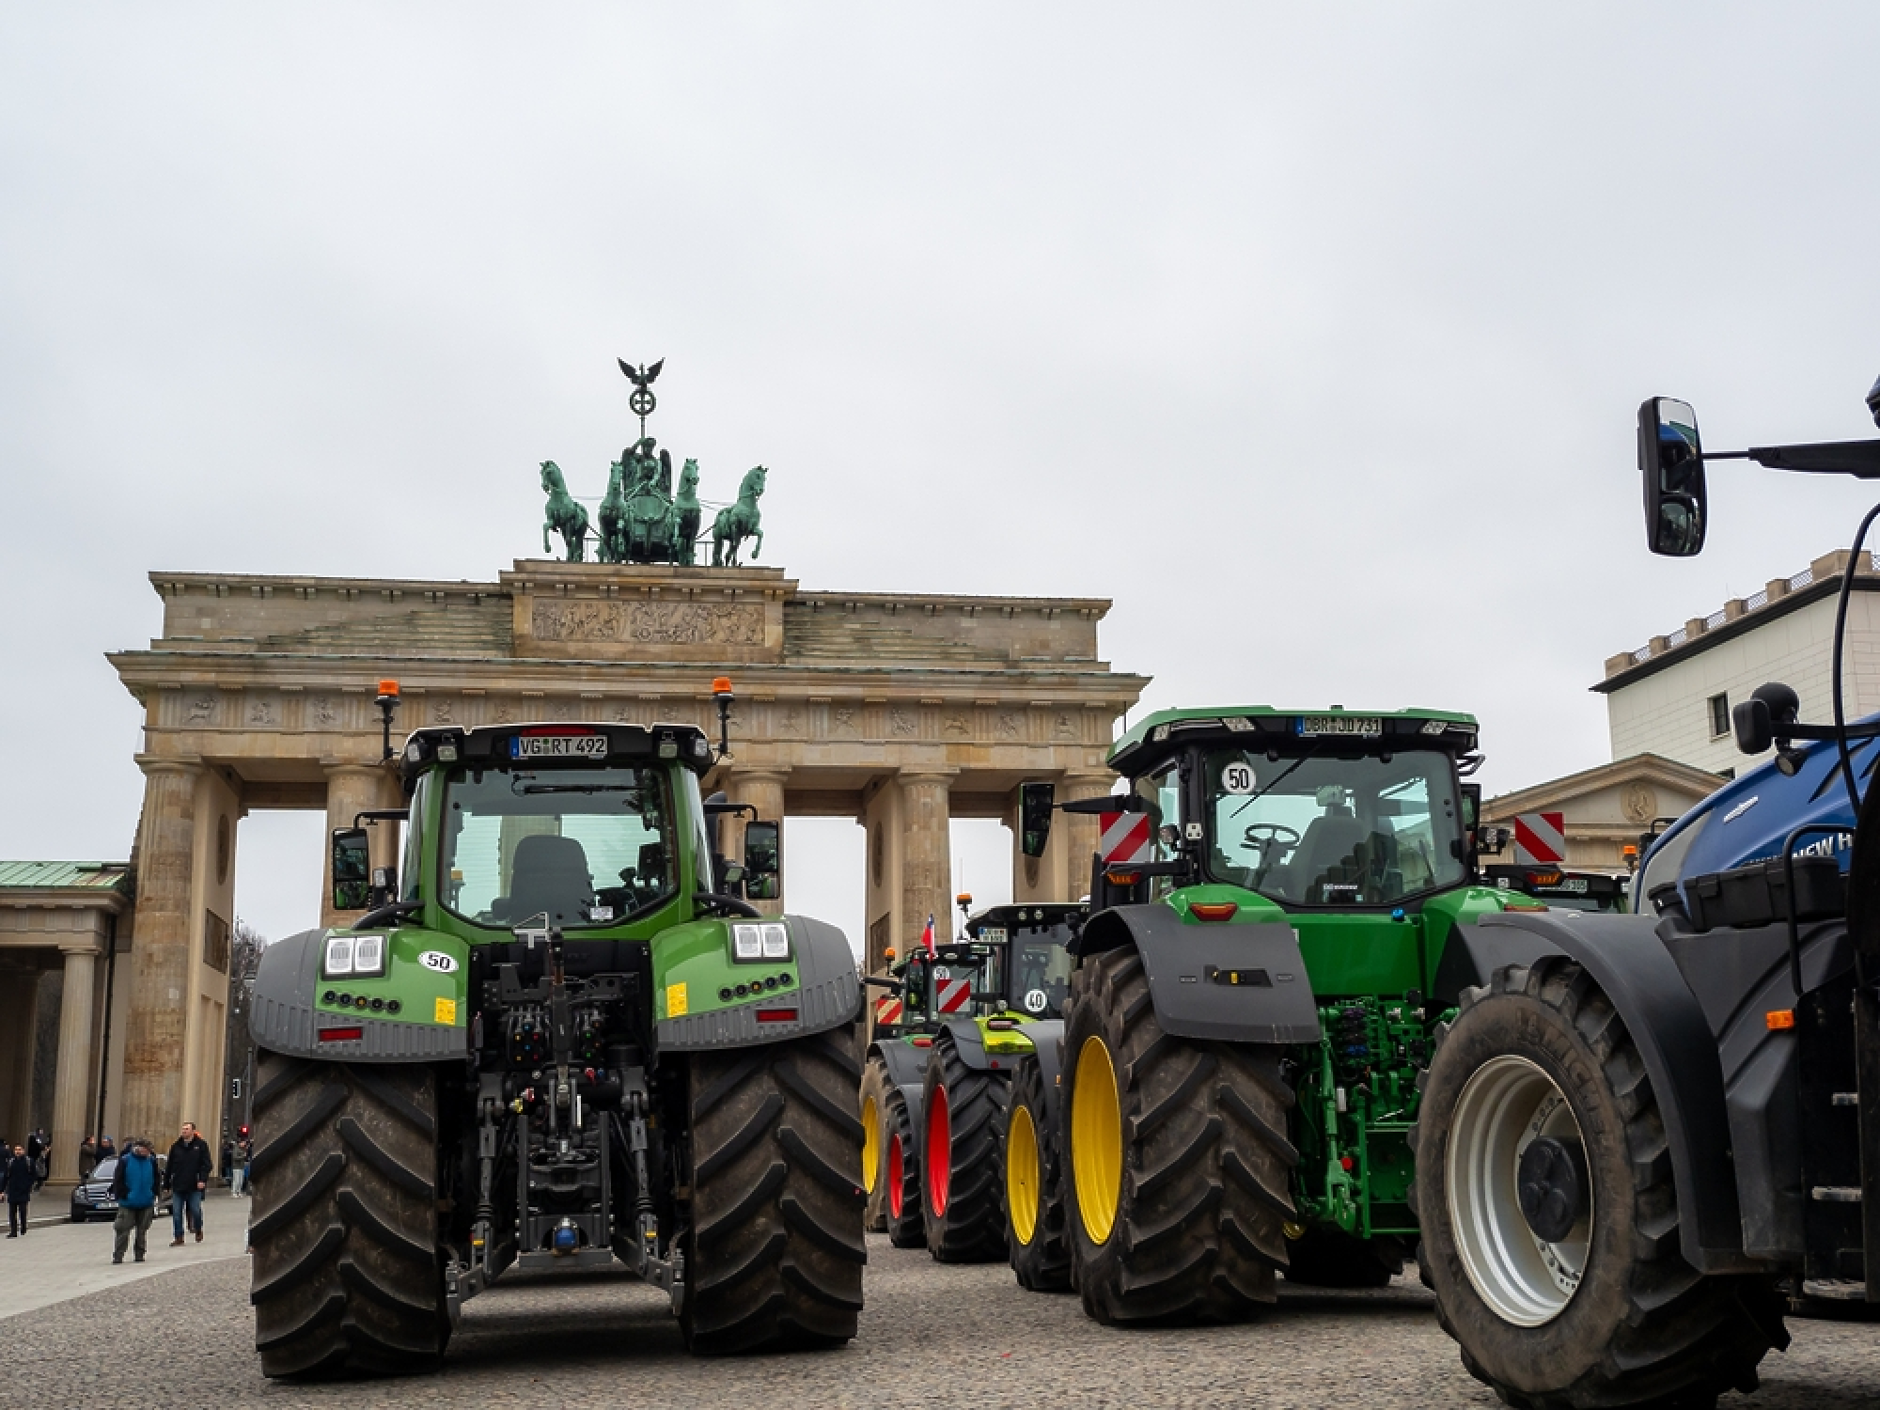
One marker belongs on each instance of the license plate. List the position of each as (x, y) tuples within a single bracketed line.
[(992, 935), (1364, 726), (558, 746)]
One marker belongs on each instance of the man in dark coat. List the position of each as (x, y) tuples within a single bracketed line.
[(186, 1178), (20, 1179)]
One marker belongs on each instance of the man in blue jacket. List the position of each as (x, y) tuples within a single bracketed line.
[(135, 1188)]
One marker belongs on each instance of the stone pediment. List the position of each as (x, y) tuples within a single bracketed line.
[(1605, 809)]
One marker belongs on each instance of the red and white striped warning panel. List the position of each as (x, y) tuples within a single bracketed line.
[(1540, 837), (1126, 838), (955, 994), (888, 1010)]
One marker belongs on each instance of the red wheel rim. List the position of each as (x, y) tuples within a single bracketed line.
[(939, 1151), (896, 1200)]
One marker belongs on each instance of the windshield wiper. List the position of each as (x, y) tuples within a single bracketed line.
[(1284, 774), (576, 788)]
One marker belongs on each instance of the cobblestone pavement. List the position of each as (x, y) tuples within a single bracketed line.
[(931, 1335)]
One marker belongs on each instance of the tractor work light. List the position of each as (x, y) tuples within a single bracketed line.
[(339, 957), (769, 940), (447, 751), (369, 955)]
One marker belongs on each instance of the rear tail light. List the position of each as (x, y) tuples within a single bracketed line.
[(776, 1015)]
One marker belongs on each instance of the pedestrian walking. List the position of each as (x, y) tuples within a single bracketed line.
[(134, 1186), (39, 1152), (18, 1188), (186, 1178)]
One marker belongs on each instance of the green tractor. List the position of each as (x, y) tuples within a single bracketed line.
[(1278, 925), (925, 990), (553, 1041), (934, 1088), (969, 1071)]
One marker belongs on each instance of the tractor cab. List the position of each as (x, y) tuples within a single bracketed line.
[(1329, 811), (958, 980), (1036, 962)]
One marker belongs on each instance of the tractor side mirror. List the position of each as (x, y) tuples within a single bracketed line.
[(1034, 816), (763, 860), (1671, 464), (352, 869)]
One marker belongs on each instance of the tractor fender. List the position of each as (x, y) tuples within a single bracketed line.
[(907, 1068), (1239, 983), (282, 1017), (968, 1041), (1047, 1038), (1631, 964), (828, 994)]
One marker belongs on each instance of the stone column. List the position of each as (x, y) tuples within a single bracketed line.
[(352, 789), (72, 1085), (163, 990), (926, 856), (763, 790)]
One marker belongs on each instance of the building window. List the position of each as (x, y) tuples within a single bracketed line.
[(1719, 716)]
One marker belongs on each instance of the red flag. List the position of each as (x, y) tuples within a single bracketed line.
[(926, 938)]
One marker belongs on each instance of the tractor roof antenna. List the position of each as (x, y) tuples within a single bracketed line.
[(388, 707), (722, 693)]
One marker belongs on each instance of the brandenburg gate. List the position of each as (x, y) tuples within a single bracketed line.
[(898, 710)]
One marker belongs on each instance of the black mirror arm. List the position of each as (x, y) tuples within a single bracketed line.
[(1861, 459), (893, 986), (389, 914)]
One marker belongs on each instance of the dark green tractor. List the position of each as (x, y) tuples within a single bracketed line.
[(1280, 923)]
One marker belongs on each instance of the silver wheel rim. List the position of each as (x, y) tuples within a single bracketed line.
[(1505, 1105)]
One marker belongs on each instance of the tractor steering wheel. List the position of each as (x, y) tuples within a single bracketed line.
[(1267, 835)]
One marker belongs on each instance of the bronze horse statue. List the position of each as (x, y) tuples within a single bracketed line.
[(565, 517), (737, 522), (613, 516), (685, 516)]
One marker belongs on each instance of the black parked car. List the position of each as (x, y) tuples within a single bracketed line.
[(91, 1197)]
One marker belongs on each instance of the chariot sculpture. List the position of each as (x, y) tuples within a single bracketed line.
[(643, 518)]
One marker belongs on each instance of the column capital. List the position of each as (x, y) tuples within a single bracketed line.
[(82, 945), (355, 767), (757, 773), (1089, 785), (942, 776), (163, 764)]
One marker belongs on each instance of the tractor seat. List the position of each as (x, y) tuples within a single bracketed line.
[(550, 874)]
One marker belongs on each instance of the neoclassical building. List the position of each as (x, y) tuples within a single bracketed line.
[(899, 710)]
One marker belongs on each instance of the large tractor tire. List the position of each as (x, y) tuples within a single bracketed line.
[(1549, 1218), (1326, 1258), (965, 1114), (348, 1278), (901, 1169), (1178, 1162), (775, 1251), (875, 1086), (1032, 1193)]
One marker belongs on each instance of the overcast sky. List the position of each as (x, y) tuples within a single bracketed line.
[(1313, 336)]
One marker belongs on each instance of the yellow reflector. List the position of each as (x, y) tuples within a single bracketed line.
[(1778, 1019)]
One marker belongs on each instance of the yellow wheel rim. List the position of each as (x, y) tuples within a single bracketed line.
[(1096, 1140), (1021, 1174), (871, 1144)]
